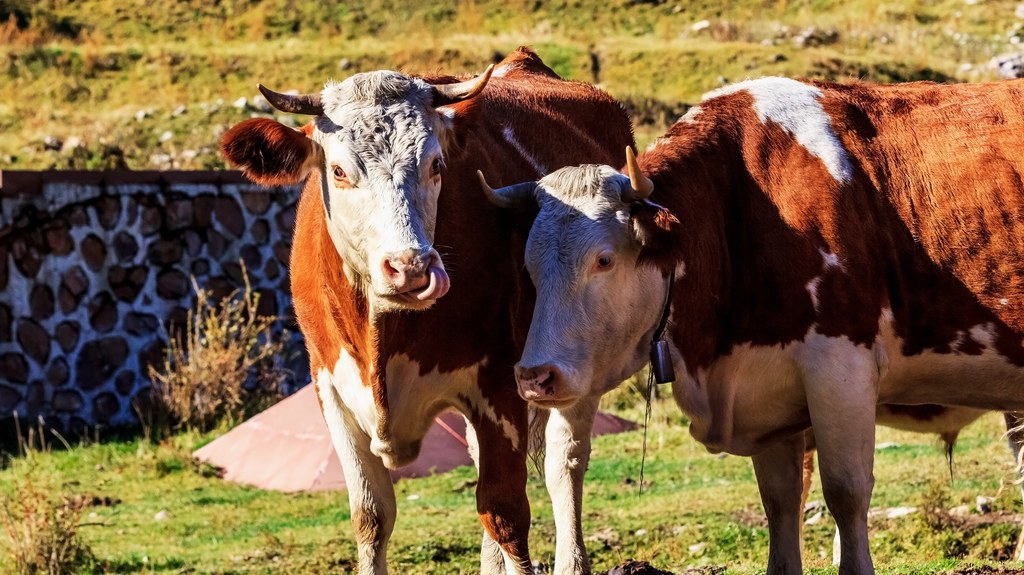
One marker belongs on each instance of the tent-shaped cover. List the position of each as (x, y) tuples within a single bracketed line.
[(288, 447)]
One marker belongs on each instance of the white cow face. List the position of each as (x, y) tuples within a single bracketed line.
[(597, 301), (383, 161), (378, 143)]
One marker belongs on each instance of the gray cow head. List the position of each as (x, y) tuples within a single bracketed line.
[(599, 292)]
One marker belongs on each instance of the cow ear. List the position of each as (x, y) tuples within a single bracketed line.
[(270, 153), (656, 229)]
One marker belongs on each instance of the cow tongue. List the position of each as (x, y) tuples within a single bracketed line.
[(439, 284)]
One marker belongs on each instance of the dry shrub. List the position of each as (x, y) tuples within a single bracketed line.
[(219, 363), (41, 523), (42, 530)]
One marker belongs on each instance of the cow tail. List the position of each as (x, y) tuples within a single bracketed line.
[(949, 440)]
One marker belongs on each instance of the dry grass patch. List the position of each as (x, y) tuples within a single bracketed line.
[(42, 530), (219, 364)]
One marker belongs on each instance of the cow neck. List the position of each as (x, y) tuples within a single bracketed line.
[(333, 313), (684, 182)]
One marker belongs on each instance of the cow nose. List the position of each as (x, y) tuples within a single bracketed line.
[(404, 270), (538, 382)]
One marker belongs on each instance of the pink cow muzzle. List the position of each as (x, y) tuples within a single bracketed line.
[(544, 385), (415, 274)]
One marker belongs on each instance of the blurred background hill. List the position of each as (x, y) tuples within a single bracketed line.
[(153, 83)]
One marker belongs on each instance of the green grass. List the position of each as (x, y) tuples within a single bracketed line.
[(85, 69), (698, 510)]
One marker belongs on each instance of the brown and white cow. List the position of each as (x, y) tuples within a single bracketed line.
[(390, 209), (833, 247)]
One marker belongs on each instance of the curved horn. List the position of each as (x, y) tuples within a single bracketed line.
[(451, 93), (308, 104), (509, 196), (640, 185)]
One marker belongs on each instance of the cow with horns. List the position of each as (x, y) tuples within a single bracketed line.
[(823, 249), (408, 285)]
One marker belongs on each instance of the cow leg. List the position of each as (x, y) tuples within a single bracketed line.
[(1015, 438), (565, 463), (779, 472), (808, 474), (371, 493), (501, 492), (840, 380), (492, 562), (808, 477)]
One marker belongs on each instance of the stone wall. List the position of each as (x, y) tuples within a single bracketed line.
[(95, 266)]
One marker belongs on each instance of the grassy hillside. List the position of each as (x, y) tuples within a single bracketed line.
[(153, 83)]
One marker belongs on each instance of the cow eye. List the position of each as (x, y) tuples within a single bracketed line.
[(435, 166), (604, 261), (339, 174)]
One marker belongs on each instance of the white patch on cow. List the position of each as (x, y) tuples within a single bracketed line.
[(413, 402), (448, 113), (757, 388), (980, 334), (746, 395), (985, 380), (661, 141), (346, 380), (837, 549), (960, 340), (690, 117), (472, 444), (415, 398), (829, 261), (369, 485), (796, 107), (984, 334), (510, 137), (480, 404), (812, 289), (754, 387), (680, 269)]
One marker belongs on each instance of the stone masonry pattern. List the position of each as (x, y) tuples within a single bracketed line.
[(92, 276)]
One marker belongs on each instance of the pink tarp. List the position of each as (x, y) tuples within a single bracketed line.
[(288, 447)]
